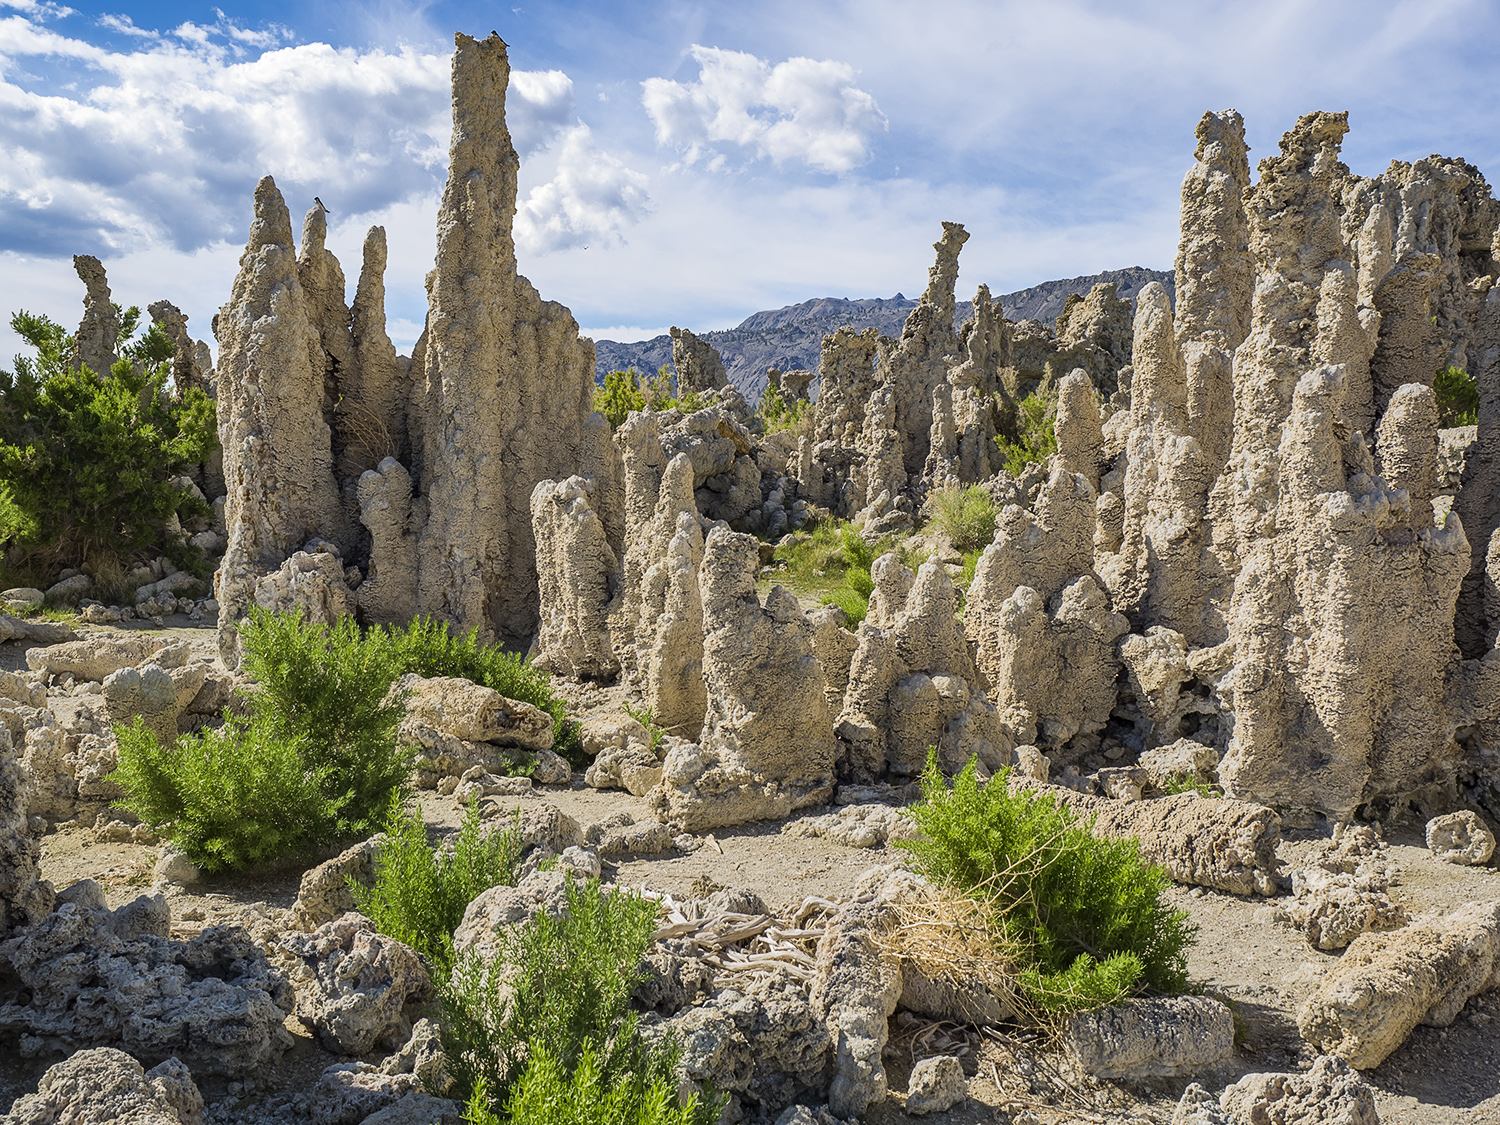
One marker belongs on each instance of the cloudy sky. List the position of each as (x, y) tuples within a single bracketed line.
[(689, 163)]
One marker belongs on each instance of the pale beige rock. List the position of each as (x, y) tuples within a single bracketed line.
[(96, 657), (105, 1086), (324, 893), (1330, 1093), (1080, 440), (1094, 334), (467, 710), (278, 457), (24, 898), (856, 988), (698, 365), (1361, 589), (370, 417), (936, 1084), (1405, 443), (1168, 1036), (767, 745), (1184, 759), (311, 583), (1215, 276), (186, 369), (1386, 984), (504, 371), (576, 568), (1478, 499), (388, 595), (148, 693), (1460, 837)]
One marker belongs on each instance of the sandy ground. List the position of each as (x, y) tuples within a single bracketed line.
[(1264, 970)]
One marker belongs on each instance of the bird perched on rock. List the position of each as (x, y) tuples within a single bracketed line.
[(319, 202)]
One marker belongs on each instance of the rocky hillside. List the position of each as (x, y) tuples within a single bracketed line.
[(790, 337)]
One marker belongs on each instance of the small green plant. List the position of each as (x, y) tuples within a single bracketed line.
[(647, 718), (778, 414), (560, 985), (1088, 913), (427, 648), (645, 1093), (619, 397), (1189, 783), (965, 515), (230, 798), (1457, 397), (420, 893), (327, 687), (1034, 438), (87, 458)]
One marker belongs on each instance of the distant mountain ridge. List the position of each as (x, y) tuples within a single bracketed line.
[(792, 337)]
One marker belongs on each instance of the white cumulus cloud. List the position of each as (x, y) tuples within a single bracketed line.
[(161, 141), (799, 110), (592, 198)]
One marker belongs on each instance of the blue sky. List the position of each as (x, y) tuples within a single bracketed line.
[(689, 163)]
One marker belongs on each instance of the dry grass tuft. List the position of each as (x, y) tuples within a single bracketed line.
[(954, 941)]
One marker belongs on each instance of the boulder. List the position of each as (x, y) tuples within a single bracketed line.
[(147, 693), (105, 1086), (96, 978), (95, 657), (1331, 1093), (855, 989), (1170, 1036), (355, 983), (936, 1084), (1386, 984), (324, 894), (1460, 837), (469, 711)]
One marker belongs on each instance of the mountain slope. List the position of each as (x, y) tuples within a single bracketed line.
[(791, 337)]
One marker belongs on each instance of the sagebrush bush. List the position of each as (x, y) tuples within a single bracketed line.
[(327, 687), (1457, 397), (1031, 436), (777, 414), (420, 892), (229, 798), (427, 648), (1060, 892), (966, 516), (645, 1093), (86, 457), (560, 984), (625, 392)]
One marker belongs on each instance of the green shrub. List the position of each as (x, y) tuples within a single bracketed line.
[(427, 648), (644, 1094), (619, 397), (561, 985), (1033, 436), (966, 516), (420, 893), (856, 606), (86, 457), (1457, 398), (328, 689), (230, 798), (778, 414), (646, 716), (1057, 890)]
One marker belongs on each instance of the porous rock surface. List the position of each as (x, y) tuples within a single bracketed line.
[(105, 1086), (1386, 984), (1330, 1093), (97, 977), (1164, 1036), (355, 984)]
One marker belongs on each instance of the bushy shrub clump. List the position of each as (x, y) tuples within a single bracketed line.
[(966, 516), (1457, 397), (420, 893), (518, 1028), (1087, 913), (328, 688), (625, 392), (230, 798), (777, 414), (1031, 436), (86, 457)]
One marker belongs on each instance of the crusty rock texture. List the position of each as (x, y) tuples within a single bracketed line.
[(24, 899), (1041, 620), (577, 571), (102, 978), (388, 595), (99, 331), (912, 683), (509, 383), (1386, 984), (698, 365), (187, 372), (1163, 1036), (1343, 626), (767, 746), (278, 456), (105, 1086)]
